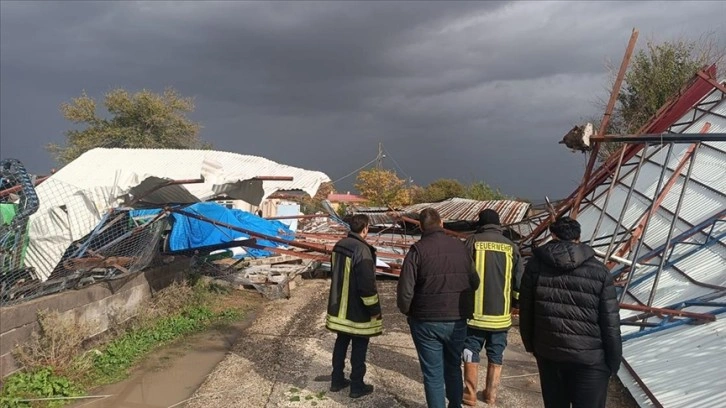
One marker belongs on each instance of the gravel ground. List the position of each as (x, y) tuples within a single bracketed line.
[(283, 360)]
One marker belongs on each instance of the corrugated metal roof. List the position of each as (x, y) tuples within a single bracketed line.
[(682, 366), (460, 209), (463, 209), (661, 358)]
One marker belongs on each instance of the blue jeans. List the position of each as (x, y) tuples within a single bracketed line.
[(493, 342), (439, 346)]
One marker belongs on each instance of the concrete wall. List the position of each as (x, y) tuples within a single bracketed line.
[(95, 305)]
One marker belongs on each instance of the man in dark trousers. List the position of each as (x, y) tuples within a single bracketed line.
[(569, 318), (500, 269), (354, 311), (436, 292)]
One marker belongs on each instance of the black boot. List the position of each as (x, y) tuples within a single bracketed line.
[(361, 390), (336, 386)]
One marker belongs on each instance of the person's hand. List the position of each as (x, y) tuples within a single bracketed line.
[(376, 317)]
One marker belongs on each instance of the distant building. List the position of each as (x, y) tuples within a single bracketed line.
[(337, 199)]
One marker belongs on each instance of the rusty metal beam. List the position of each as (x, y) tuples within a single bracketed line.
[(642, 385), (605, 121), (17, 188), (711, 80), (653, 311), (637, 232)]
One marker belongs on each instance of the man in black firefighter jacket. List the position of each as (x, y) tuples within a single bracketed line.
[(354, 312), (499, 266), (435, 290)]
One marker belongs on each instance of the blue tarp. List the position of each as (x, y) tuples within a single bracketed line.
[(190, 233)]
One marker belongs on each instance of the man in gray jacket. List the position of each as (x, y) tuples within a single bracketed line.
[(435, 291)]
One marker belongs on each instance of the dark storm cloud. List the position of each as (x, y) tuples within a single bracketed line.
[(470, 90)]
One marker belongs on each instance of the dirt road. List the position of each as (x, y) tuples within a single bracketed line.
[(283, 360)]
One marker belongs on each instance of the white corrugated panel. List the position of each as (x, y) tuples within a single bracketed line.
[(682, 366)]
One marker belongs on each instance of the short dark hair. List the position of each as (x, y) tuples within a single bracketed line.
[(489, 217), (566, 229), (358, 223), (430, 219)]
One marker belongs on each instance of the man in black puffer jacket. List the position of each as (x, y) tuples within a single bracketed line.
[(569, 318)]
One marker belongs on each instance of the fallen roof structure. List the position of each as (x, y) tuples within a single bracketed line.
[(75, 199), (656, 213), (455, 209)]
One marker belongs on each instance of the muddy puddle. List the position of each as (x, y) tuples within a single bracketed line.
[(171, 375)]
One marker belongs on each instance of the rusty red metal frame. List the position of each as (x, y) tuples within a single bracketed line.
[(638, 231), (697, 88), (15, 189), (641, 383), (605, 121), (655, 311), (316, 247)]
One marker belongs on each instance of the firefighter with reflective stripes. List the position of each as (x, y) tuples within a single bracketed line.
[(354, 311), (500, 270)]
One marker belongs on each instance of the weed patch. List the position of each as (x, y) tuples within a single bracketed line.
[(19, 389), (56, 345), (56, 366), (112, 363)]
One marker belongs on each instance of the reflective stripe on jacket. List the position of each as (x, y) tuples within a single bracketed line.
[(353, 295), (500, 269)]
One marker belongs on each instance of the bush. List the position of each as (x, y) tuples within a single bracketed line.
[(55, 346)]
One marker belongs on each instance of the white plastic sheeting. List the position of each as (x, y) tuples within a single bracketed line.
[(73, 200)]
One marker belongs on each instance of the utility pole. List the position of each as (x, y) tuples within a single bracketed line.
[(379, 158)]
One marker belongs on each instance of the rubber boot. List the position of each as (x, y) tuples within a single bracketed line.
[(471, 379), (494, 373)]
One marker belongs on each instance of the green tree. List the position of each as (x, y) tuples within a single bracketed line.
[(383, 188), (656, 74), (483, 192), (442, 189), (140, 120)]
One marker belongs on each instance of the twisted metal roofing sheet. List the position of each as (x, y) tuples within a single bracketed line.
[(660, 358)]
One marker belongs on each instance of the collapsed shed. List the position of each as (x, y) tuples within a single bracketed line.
[(655, 212), (86, 215)]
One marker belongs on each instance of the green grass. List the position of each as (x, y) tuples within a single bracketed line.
[(112, 361)]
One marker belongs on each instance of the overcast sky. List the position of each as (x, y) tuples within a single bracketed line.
[(471, 90)]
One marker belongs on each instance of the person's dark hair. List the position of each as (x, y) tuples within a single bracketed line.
[(358, 223), (566, 229), (430, 219), (489, 217)]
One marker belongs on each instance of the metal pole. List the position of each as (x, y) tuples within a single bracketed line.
[(607, 196), (605, 121), (691, 164), (631, 273), (627, 201)]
